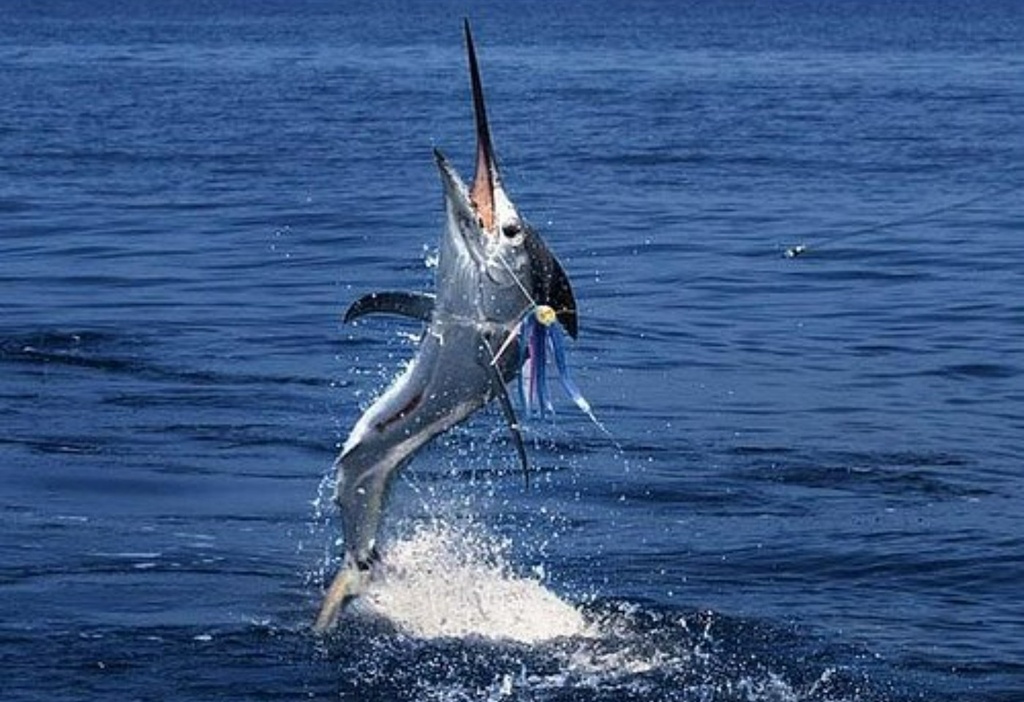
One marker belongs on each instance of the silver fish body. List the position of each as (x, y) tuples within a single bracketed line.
[(493, 268)]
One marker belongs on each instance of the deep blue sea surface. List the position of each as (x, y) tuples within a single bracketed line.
[(813, 487)]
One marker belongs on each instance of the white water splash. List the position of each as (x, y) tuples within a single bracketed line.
[(456, 581)]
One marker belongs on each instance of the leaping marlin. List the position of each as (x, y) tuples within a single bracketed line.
[(493, 271)]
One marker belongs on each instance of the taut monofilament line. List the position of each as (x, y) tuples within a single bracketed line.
[(800, 249)]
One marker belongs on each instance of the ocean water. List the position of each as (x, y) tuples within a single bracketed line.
[(811, 486)]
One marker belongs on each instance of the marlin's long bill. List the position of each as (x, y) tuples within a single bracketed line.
[(496, 211), (493, 269), (486, 178)]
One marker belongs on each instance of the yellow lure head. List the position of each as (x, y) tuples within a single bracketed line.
[(545, 315)]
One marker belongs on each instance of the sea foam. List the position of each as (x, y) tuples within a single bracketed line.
[(456, 581)]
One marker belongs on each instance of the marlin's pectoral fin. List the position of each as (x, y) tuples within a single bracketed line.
[(513, 424), (562, 300), (406, 304), (552, 286)]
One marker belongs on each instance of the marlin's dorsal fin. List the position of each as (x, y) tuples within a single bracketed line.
[(513, 424), (405, 304)]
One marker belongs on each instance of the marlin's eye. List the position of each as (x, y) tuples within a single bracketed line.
[(512, 230)]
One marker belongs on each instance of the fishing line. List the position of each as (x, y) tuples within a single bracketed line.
[(515, 330), (800, 249)]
